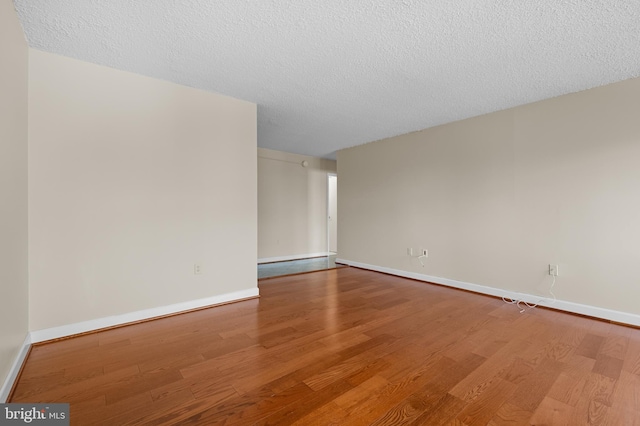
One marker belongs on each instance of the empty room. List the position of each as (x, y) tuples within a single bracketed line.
[(469, 168)]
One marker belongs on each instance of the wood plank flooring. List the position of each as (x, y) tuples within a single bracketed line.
[(347, 347)]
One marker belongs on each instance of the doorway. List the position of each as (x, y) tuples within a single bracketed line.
[(332, 213)]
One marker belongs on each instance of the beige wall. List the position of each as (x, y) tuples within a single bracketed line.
[(13, 188), (292, 204), (497, 198), (132, 180)]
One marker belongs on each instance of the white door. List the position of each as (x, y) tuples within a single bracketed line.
[(332, 208)]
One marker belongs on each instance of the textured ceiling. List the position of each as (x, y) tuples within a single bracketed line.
[(333, 73)]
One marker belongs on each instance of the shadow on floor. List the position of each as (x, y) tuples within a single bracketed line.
[(276, 269)]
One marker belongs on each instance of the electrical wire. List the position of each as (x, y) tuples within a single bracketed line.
[(522, 309)]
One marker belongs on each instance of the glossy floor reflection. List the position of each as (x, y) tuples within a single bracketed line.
[(277, 269)]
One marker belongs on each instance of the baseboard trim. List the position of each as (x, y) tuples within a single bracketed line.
[(562, 305), (293, 257), (63, 331), (15, 369)]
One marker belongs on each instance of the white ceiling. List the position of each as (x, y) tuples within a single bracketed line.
[(331, 74)]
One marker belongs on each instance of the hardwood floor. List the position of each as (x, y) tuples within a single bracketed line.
[(347, 347)]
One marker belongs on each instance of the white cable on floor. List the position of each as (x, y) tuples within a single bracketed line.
[(517, 302)]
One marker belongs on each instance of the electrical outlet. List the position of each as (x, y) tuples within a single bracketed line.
[(197, 269), (553, 270), (417, 252)]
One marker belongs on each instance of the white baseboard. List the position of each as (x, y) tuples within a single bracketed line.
[(99, 323), (293, 257), (576, 308), (15, 369)]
